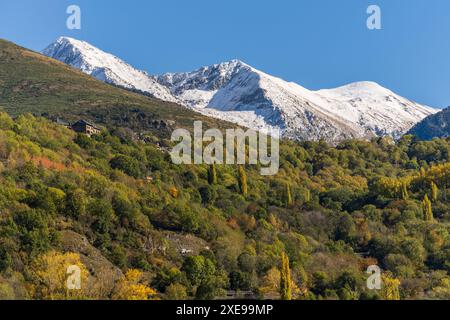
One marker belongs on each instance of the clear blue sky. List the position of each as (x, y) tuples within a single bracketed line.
[(316, 43)]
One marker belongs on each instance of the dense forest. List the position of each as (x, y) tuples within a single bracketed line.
[(140, 227)]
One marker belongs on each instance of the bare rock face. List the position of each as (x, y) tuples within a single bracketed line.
[(13, 287), (185, 244), (103, 274)]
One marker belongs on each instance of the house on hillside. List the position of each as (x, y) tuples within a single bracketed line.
[(85, 127)]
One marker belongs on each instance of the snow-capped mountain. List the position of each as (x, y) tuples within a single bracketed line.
[(237, 92), (105, 67)]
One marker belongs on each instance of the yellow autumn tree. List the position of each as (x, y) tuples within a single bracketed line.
[(390, 288), (173, 192), (59, 276), (437, 174), (434, 192), (285, 279), (270, 284), (288, 195), (405, 194), (427, 209), (393, 187), (130, 287), (307, 195)]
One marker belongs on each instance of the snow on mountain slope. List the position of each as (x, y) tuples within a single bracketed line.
[(237, 92), (105, 67), (376, 108)]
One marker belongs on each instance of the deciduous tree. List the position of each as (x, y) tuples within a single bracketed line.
[(212, 174), (285, 279), (131, 287), (390, 288), (242, 179), (427, 209)]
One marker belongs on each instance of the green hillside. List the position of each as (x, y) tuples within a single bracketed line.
[(111, 203), (139, 227), (31, 82)]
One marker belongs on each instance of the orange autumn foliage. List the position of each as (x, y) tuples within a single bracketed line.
[(173, 192), (48, 164)]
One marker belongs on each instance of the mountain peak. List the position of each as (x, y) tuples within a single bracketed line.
[(234, 63), (66, 43), (364, 84), (226, 67), (105, 67), (65, 39), (360, 87), (237, 92)]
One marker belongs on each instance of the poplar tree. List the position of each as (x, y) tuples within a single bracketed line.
[(427, 209), (212, 174), (288, 195), (285, 279), (405, 195), (242, 180), (434, 192), (307, 195)]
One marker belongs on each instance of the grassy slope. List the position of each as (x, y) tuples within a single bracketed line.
[(31, 82)]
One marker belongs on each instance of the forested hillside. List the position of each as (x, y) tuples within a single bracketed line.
[(140, 227)]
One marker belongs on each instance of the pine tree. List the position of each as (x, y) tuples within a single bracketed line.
[(288, 195), (427, 209), (242, 180), (434, 192), (405, 194), (212, 174), (285, 280)]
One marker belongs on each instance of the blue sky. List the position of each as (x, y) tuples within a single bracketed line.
[(316, 43)]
